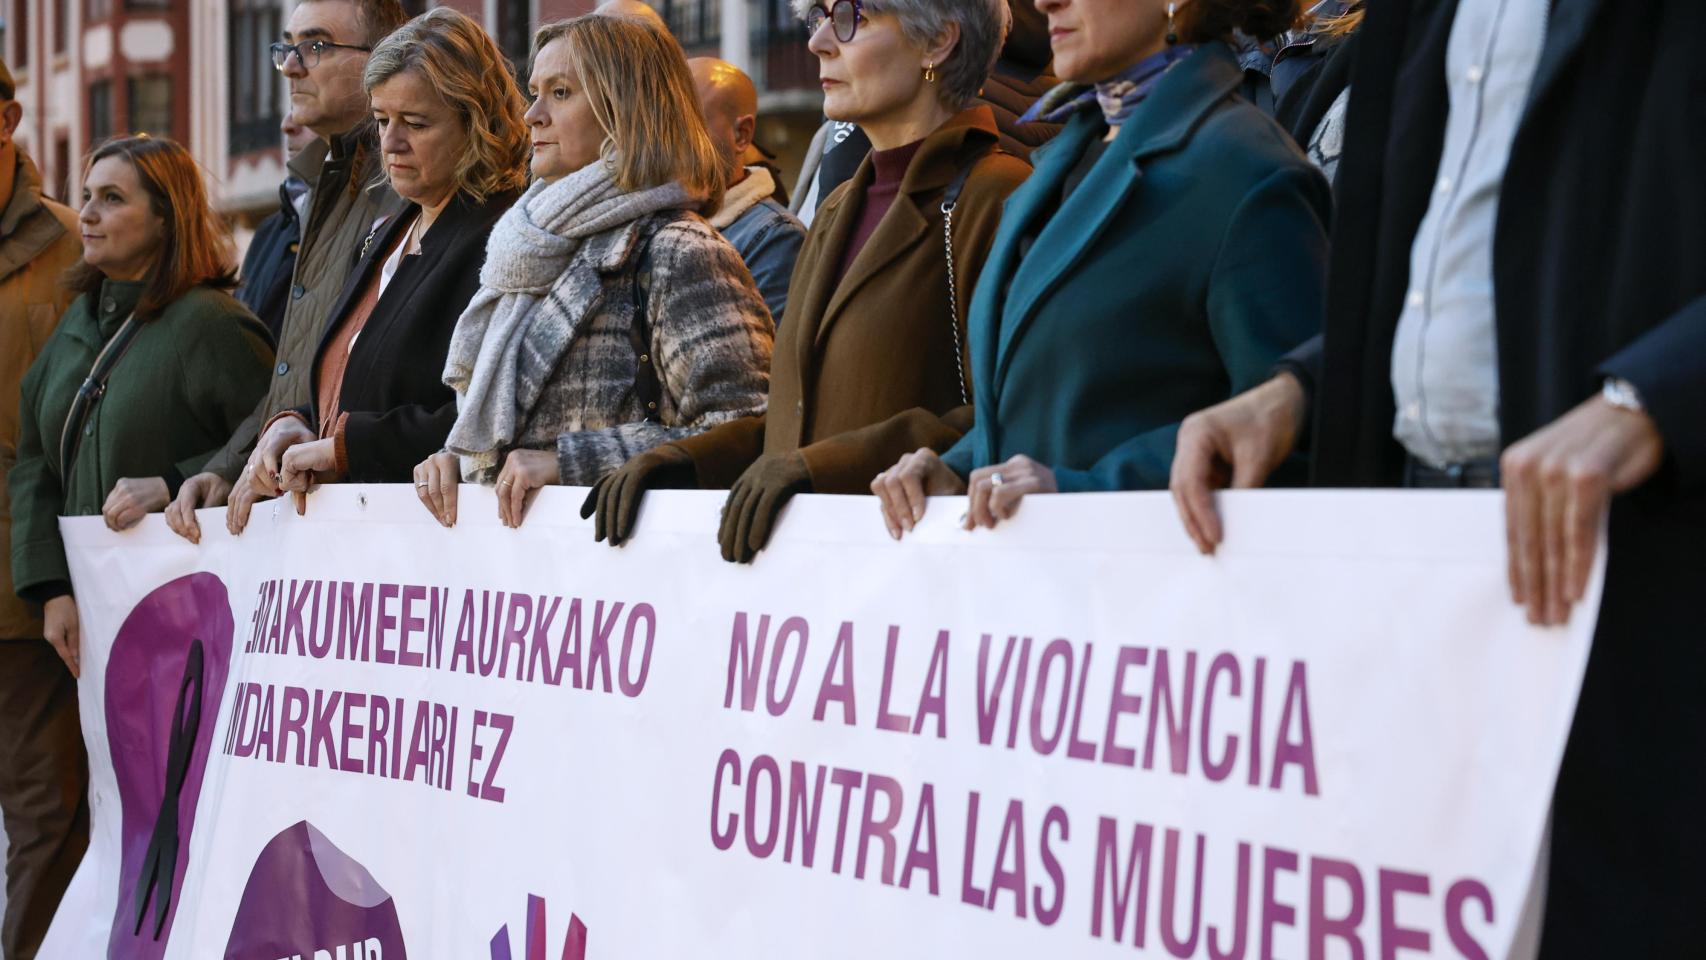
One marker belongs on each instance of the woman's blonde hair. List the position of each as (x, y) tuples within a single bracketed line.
[(1344, 24), (636, 80), (462, 62)]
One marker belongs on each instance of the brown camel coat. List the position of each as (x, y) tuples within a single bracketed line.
[(39, 241), (865, 368)]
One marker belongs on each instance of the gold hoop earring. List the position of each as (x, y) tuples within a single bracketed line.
[(930, 72), (1172, 29)]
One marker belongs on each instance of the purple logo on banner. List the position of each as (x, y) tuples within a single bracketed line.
[(144, 682), (574, 944), (308, 899)]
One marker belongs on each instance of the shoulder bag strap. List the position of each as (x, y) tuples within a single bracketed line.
[(89, 394), (950, 200)]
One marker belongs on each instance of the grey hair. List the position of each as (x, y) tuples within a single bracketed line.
[(983, 30)]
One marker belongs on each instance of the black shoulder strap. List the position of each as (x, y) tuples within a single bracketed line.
[(93, 387), (951, 197)]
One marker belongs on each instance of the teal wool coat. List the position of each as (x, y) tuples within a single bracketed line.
[(1190, 258)]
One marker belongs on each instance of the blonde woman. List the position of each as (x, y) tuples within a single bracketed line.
[(611, 316), (453, 144)]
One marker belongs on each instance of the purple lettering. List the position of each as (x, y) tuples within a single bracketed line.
[(1456, 896), (722, 837), (387, 623), (1108, 875), (1393, 937), (839, 689), (1301, 751), (887, 720), (1179, 946), (923, 828), (881, 830), (1059, 650), (1122, 703), (1218, 769), (409, 624), (1161, 701), (1275, 914), (1048, 915), (763, 765), (934, 701), (1322, 926), (638, 613)]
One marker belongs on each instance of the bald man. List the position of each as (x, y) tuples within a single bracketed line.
[(766, 234), (632, 10)]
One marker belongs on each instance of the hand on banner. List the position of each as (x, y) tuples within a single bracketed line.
[(133, 498), (1558, 482), (201, 490), (615, 498), (901, 489), (754, 501), (996, 491), (1238, 442), (244, 494), (268, 458), (59, 626), (437, 480), (524, 471), (306, 466)]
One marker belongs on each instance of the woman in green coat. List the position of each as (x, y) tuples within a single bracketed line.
[(167, 363), (1168, 249)]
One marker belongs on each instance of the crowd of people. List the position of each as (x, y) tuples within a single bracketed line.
[(1039, 247)]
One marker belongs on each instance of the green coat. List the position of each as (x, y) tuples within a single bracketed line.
[(1191, 257), (191, 375)]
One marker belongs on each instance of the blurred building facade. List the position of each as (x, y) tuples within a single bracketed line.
[(199, 72)]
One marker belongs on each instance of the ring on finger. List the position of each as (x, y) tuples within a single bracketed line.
[(995, 479), (420, 484), (505, 483)]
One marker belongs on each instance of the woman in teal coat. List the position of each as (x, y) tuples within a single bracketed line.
[(1169, 247), (185, 363)]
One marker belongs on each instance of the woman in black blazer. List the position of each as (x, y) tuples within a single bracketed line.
[(454, 144)]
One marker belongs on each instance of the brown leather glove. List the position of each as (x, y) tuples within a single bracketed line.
[(615, 498), (755, 500)]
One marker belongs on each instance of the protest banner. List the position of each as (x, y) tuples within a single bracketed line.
[(359, 734)]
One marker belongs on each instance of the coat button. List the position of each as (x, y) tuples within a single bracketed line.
[(89, 430), (799, 406), (644, 358), (651, 405), (283, 368), (297, 291), (108, 305)]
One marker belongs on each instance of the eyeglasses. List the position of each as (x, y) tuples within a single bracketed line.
[(308, 52), (845, 14)]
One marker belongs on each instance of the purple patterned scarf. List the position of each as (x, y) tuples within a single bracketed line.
[(1117, 97)]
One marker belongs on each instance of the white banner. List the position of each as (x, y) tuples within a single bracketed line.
[(1065, 737)]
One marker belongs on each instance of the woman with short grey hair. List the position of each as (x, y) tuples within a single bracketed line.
[(870, 358), (981, 26)]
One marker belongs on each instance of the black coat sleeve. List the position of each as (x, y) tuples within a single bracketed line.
[(1667, 365)]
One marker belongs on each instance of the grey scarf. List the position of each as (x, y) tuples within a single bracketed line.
[(496, 378)]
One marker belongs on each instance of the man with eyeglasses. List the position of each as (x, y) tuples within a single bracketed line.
[(322, 55)]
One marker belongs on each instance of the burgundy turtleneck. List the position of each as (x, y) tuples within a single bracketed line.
[(890, 169)]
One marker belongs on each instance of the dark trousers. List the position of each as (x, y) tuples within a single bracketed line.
[(44, 789)]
